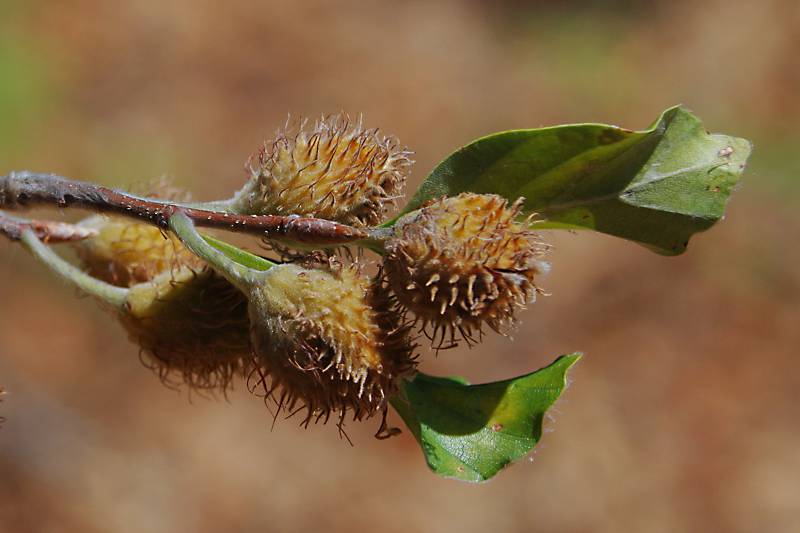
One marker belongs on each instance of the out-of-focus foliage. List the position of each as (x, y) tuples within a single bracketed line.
[(24, 93)]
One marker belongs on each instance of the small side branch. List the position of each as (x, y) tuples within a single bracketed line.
[(46, 230), (239, 275), (23, 189), (114, 296)]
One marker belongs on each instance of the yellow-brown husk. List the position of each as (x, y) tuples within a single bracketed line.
[(462, 262), (190, 323), (125, 252), (328, 342), (193, 324), (335, 170)]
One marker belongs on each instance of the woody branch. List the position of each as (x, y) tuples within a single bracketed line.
[(23, 189), (46, 230)]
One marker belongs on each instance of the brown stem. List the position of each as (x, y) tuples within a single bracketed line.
[(46, 230), (22, 189)]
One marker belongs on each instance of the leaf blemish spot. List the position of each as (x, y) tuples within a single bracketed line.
[(497, 427), (726, 152)]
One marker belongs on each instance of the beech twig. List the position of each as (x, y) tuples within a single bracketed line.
[(46, 230), (23, 189)]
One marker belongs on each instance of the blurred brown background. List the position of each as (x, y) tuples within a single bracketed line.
[(683, 416)]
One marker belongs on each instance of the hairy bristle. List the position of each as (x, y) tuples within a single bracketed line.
[(463, 262), (192, 328), (335, 170), (327, 342)]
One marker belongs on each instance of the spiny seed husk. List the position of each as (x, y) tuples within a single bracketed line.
[(335, 170), (126, 252), (190, 324), (462, 262), (328, 342)]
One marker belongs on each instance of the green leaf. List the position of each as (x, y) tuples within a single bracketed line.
[(656, 187), (471, 432), (238, 255)]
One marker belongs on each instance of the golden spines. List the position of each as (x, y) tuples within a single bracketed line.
[(462, 262), (334, 170), (328, 341)]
